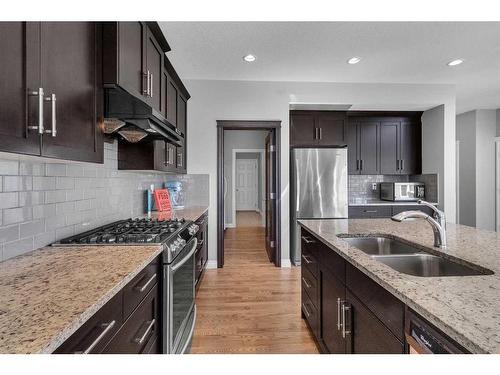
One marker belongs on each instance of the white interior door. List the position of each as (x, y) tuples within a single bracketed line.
[(246, 184)]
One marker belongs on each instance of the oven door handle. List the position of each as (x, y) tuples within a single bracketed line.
[(186, 258)]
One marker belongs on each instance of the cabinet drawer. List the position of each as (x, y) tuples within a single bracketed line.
[(310, 285), (363, 212), (379, 301), (93, 336), (139, 329), (310, 313), (309, 252), (138, 288), (396, 209)]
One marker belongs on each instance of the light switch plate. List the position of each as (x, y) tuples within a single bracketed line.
[(374, 186)]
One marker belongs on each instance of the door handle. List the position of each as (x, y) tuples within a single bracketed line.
[(306, 259), (308, 314), (345, 309), (52, 99), (361, 164), (107, 327), (307, 240), (145, 90), (140, 340), (402, 164), (39, 94), (320, 133), (151, 85), (308, 286), (339, 324)]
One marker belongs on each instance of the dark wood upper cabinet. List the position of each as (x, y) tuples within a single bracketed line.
[(367, 147), (331, 128), (352, 148), (154, 71), (19, 45), (389, 147), (71, 74), (53, 88), (411, 147), (318, 128), (181, 114), (302, 129), (172, 97)]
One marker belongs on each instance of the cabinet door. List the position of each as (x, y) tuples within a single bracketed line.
[(332, 295), (181, 114), (71, 70), (131, 39), (389, 148), (172, 95), (154, 68), (368, 140), (352, 148), (302, 129), (367, 334), (411, 148), (19, 46), (181, 159), (331, 129)]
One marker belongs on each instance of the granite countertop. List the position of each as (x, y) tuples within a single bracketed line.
[(465, 308), (378, 202), (47, 294), (188, 213)]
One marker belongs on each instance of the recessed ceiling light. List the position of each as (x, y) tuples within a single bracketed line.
[(249, 58), (455, 62), (354, 60)]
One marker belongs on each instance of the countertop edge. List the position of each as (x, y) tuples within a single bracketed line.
[(79, 321), (457, 336)]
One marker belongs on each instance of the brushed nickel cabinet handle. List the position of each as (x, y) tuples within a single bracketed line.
[(345, 308), (107, 327), (143, 288), (151, 85), (140, 340), (52, 99), (307, 240), (339, 325), (145, 89), (306, 259), (39, 94), (308, 314)]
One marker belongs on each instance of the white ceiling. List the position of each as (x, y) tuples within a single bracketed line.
[(391, 52)]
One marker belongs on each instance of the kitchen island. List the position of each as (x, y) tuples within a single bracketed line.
[(466, 308)]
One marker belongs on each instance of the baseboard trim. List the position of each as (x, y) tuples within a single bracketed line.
[(230, 225), (211, 264), (285, 263)]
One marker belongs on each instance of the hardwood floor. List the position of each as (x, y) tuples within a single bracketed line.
[(250, 306), (248, 219)]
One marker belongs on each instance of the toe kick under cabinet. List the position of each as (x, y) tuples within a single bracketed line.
[(347, 311), (129, 323)]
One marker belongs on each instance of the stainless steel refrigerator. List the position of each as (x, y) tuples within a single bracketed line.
[(318, 189)]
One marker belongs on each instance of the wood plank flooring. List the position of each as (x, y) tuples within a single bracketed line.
[(248, 219), (250, 306)]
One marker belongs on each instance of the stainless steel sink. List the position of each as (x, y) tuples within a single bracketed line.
[(377, 245), (411, 260), (428, 265)]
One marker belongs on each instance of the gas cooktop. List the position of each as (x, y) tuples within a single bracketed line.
[(131, 231)]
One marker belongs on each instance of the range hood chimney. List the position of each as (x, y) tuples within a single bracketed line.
[(137, 119)]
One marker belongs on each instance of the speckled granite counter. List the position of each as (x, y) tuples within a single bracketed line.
[(188, 213), (466, 308), (46, 295)]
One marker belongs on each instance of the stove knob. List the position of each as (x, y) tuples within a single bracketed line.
[(182, 242), (193, 229)]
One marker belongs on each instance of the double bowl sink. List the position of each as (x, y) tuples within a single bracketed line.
[(411, 260)]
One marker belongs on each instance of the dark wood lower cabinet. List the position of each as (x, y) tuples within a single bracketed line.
[(383, 211), (128, 323), (201, 256), (367, 333), (352, 314)]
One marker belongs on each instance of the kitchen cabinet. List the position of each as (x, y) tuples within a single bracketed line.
[(384, 211), (128, 323), (411, 147), (317, 128), (60, 116), (176, 97), (134, 57), (356, 314), (389, 147), (364, 145), (201, 256)]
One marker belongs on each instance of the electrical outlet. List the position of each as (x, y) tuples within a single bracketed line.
[(374, 186)]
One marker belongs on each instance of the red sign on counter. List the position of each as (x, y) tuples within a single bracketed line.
[(162, 200)]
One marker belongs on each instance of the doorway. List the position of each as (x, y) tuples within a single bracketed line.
[(247, 182)]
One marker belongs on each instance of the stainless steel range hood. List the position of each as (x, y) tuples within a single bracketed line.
[(121, 105)]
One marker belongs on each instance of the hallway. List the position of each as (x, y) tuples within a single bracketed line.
[(250, 306)]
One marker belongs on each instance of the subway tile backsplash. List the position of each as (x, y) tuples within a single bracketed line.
[(360, 186), (44, 201)]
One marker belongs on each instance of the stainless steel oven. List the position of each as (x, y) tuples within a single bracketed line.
[(179, 312)]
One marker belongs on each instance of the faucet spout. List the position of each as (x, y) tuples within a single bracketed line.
[(438, 227)]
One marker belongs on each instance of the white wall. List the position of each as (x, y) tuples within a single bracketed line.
[(466, 135), (249, 100), (485, 169), (476, 131), (238, 139), (498, 122)]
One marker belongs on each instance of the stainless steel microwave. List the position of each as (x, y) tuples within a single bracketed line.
[(402, 191)]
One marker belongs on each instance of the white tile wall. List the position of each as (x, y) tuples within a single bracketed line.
[(42, 202)]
